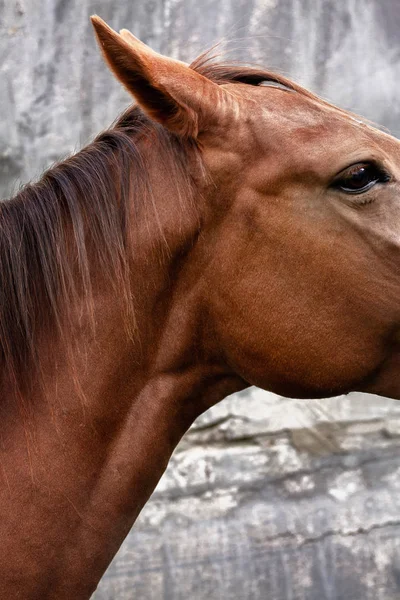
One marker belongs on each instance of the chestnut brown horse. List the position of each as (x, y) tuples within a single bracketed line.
[(232, 230)]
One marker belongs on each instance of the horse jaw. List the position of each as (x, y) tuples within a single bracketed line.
[(386, 380)]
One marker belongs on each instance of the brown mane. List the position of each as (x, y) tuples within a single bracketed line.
[(41, 277)]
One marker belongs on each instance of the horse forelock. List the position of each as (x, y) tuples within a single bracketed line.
[(208, 65)]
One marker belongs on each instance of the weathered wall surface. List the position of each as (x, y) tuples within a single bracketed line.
[(273, 499), (265, 498)]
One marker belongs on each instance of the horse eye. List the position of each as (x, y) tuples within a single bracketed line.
[(360, 178)]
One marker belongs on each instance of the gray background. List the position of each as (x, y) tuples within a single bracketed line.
[(265, 498)]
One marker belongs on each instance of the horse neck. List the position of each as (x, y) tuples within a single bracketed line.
[(79, 465)]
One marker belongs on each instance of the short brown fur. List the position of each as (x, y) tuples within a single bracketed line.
[(203, 244)]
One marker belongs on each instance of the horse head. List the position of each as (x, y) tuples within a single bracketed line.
[(297, 257)]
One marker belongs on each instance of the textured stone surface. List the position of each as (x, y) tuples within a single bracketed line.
[(265, 498), (268, 498)]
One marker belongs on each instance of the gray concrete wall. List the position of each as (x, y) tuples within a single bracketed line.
[(265, 498), (273, 499)]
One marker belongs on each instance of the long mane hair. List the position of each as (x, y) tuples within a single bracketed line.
[(53, 232)]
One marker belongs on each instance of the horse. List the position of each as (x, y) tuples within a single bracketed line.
[(230, 229)]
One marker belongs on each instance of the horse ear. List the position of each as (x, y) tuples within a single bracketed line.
[(168, 90)]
